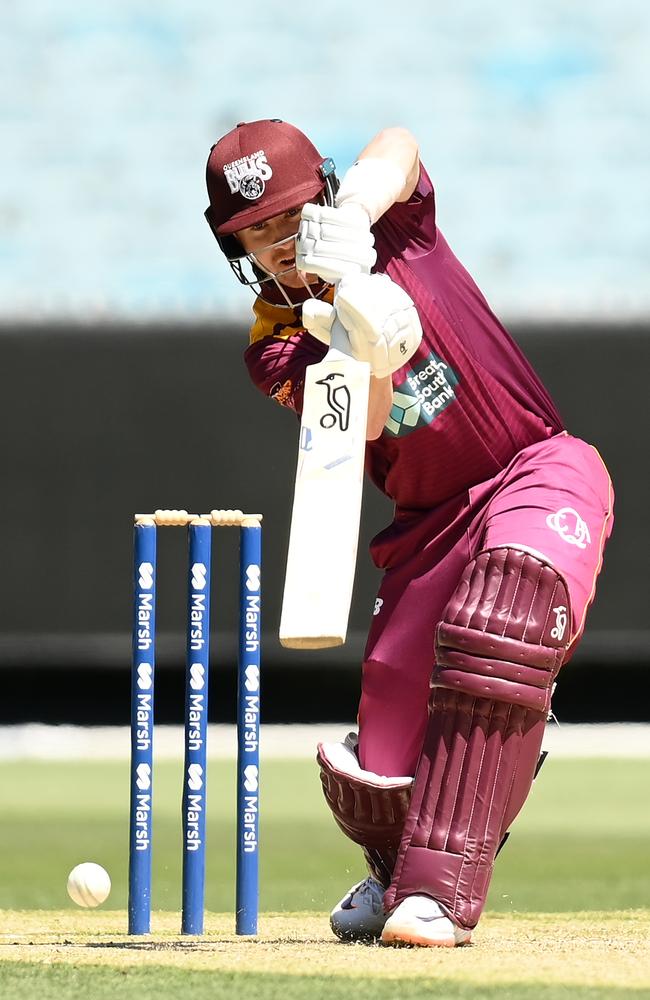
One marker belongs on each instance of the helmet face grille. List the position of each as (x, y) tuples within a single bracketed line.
[(249, 272)]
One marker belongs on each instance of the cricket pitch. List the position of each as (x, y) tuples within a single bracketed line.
[(598, 950)]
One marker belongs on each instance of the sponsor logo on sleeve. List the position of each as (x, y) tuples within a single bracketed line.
[(282, 392), (428, 389)]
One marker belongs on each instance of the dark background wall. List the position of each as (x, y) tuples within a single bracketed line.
[(101, 421)]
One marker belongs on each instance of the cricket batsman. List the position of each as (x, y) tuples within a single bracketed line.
[(500, 519)]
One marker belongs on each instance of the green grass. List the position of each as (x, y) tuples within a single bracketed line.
[(567, 915), (48, 953), (25, 982), (580, 844)]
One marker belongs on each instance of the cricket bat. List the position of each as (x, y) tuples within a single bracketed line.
[(324, 535)]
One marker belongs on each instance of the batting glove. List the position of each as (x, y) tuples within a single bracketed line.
[(332, 242), (319, 319), (376, 316), (382, 322)]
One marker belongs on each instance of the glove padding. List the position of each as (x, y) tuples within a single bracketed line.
[(332, 242), (318, 318), (383, 325), (378, 318)]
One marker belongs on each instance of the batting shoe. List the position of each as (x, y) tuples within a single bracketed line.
[(360, 914), (419, 920)]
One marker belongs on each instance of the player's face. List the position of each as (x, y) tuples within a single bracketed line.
[(273, 245)]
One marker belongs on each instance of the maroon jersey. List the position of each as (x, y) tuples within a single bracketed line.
[(464, 404)]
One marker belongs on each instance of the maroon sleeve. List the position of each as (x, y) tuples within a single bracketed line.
[(277, 366)]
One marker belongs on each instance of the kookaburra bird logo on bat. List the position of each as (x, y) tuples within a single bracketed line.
[(338, 400)]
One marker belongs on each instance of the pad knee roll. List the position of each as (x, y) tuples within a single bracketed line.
[(505, 631), (370, 809)]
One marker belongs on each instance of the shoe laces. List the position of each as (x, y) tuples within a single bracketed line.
[(370, 893)]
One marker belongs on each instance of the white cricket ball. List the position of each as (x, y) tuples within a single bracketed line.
[(88, 884)]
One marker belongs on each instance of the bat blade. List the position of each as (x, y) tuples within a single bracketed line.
[(326, 512)]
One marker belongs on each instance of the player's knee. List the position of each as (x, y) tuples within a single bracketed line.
[(505, 631)]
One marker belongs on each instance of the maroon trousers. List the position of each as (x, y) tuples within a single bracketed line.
[(494, 636)]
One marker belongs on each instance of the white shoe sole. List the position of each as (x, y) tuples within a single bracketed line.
[(409, 937)]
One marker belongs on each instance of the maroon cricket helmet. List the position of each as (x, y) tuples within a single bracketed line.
[(259, 170)]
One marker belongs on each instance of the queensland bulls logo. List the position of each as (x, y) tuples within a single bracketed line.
[(248, 175)]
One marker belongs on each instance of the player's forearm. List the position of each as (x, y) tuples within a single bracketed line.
[(399, 147), (387, 171), (380, 400)]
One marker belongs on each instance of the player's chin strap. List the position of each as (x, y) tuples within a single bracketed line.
[(270, 288)]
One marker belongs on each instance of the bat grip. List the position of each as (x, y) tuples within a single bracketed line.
[(339, 341)]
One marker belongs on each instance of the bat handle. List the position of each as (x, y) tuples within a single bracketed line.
[(339, 338)]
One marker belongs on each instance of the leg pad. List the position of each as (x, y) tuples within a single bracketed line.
[(498, 651), (369, 808)]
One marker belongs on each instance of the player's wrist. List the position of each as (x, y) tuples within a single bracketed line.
[(372, 183)]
